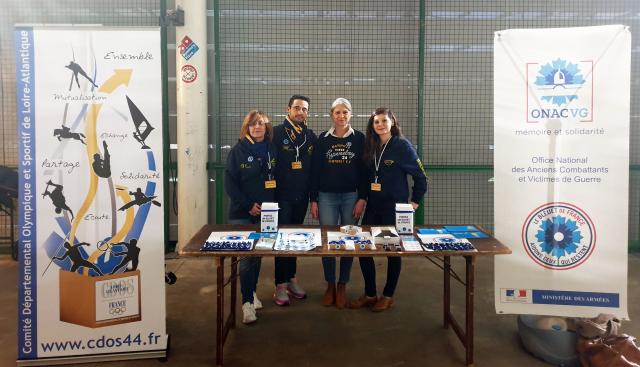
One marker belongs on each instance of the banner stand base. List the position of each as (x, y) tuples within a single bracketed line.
[(55, 361)]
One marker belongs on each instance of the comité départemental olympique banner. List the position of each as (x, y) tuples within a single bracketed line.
[(91, 278), (561, 104)]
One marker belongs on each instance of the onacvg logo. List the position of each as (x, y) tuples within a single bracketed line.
[(560, 89), (558, 236)]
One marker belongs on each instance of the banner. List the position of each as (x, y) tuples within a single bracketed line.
[(91, 278), (561, 108)]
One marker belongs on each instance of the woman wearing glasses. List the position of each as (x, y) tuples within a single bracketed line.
[(249, 182)]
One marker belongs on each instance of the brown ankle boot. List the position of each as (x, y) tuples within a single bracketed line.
[(363, 301), (329, 295), (341, 296), (384, 303)]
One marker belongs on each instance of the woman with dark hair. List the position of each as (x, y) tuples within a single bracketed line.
[(390, 158), (249, 182)]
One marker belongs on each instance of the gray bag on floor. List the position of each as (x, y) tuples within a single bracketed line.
[(549, 340)]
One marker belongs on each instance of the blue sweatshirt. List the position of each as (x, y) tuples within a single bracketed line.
[(245, 175), (293, 184), (337, 165), (398, 160)]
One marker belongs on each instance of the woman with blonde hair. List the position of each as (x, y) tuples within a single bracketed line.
[(338, 190), (249, 182)]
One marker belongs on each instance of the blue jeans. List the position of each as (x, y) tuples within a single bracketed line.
[(380, 216), (249, 269), (291, 212), (336, 208)]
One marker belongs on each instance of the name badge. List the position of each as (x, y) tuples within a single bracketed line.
[(296, 165), (270, 184), (376, 186)]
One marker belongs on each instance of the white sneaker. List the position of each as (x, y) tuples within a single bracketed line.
[(280, 296), (248, 313), (256, 302), (296, 290)]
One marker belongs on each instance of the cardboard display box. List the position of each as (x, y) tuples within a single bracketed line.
[(100, 301)]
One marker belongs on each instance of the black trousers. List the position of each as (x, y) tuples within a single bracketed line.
[(380, 216)]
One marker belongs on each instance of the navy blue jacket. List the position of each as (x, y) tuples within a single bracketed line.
[(245, 175), (398, 161), (337, 165), (293, 184)]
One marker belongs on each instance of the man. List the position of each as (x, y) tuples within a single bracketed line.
[(131, 255), (294, 142), (57, 198), (102, 166), (77, 69), (77, 261)]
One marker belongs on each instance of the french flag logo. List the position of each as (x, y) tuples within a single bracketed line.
[(516, 293)]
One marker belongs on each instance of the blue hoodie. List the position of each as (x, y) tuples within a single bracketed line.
[(246, 171), (398, 160)]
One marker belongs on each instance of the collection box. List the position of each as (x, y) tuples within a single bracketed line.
[(404, 218), (269, 217), (100, 301)]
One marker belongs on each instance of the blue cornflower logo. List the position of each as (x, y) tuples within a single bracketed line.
[(233, 238), (445, 239), (562, 78), (559, 236)]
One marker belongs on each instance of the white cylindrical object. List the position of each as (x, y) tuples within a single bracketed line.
[(192, 119)]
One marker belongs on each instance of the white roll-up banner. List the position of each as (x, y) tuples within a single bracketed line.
[(91, 260), (561, 105)]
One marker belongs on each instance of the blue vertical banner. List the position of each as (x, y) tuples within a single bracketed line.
[(27, 281), (91, 276)]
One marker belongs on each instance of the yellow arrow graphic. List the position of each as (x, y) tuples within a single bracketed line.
[(123, 194), (119, 77), (92, 148)]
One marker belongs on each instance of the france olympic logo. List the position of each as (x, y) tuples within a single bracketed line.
[(558, 236)]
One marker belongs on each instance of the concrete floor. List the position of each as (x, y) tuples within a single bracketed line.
[(308, 334)]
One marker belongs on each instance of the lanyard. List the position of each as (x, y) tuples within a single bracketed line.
[(292, 136), (300, 146), (268, 156), (377, 161), (269, 164)]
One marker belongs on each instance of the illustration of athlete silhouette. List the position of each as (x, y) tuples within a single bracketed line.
[(132, 253), (65, 133), (102, 166), (57, 198), (139, 199), (77, 69), (73, 253)]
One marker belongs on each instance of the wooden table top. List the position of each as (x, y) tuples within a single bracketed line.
[(484, 246)]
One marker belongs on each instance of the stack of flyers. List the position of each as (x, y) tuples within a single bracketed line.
[(466, 232), (298, 240), (266, 241), (411, 243)]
